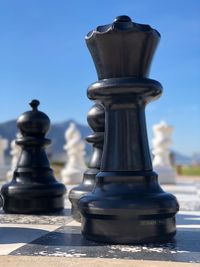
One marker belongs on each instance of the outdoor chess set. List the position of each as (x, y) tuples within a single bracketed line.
[(119, 210)]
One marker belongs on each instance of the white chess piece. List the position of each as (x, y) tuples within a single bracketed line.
[(3, 166), (15, 151), (161, 162), (75, 149)]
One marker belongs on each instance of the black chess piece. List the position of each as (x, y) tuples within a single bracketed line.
[(1, 201), (33, 188), (96, 120), (127, 204)]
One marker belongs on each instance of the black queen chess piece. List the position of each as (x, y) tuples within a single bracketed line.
[(33, 188), (127, 204), (96, 120)]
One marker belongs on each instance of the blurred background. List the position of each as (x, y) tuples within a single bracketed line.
[(43, 55)]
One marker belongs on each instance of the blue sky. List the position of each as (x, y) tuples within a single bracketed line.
[(43, 55)]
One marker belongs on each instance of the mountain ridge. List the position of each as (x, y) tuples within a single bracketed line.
[(55, 151)]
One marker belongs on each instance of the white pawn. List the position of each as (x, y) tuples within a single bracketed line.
[(3, 166), (75, 149), (15, 151), (161, 162)]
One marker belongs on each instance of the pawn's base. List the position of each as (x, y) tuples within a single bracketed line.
[(128, 208), (77, 192), (35, 199), (74, 195)]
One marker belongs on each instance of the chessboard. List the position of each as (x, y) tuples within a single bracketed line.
[(58, 235)]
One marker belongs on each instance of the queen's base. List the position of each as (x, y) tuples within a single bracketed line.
[(128, 208)]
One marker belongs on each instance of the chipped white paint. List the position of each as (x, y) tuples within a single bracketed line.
[(61, 254)]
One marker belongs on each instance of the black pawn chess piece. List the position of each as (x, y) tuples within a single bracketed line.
[(33, 188), (127, 204), (96, 120), (1, 202)]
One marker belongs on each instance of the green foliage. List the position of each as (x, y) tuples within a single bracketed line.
[(190, 170), (57, 163)]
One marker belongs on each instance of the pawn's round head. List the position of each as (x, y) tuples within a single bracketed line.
[(96, 118), (33, 122)]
